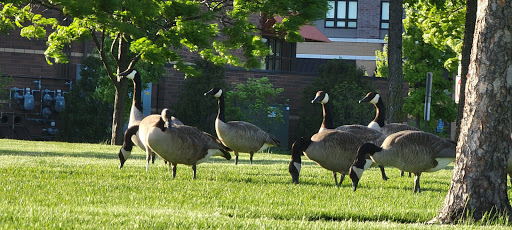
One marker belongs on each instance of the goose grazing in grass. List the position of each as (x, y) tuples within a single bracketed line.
[(331, 149), (379, 122), (363, 132), (408, 150), (240, 136), (178, 144), (136, 114)]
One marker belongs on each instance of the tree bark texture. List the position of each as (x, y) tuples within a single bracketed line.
[(466, 58), (395, 74), (118, 115), (479, 181), (123, 62)]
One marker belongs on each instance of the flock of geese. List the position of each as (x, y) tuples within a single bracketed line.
[(347, 149)]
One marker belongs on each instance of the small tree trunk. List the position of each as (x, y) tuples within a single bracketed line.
[(118, 115), (479, 182), (466, 55), (395, 75)]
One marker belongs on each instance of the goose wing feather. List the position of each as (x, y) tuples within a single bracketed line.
[(333, 150), (242, 136), (411, 151), (365, 133)]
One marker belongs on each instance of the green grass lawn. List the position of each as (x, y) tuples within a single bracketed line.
[(54, 185)]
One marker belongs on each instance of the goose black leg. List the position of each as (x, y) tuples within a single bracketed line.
[(194, 169), (417, 183), (174, 170), (342, 177), (384, 177), (335, 178), (236, 158), (250, 157)]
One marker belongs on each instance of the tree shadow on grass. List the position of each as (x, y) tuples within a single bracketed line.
[(84, 154)]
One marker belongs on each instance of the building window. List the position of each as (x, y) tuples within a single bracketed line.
[(384, 15), (341, 14), (283, 55)]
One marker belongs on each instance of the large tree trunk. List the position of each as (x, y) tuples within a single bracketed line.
[(466, 55), (395, 74), (479, 182)]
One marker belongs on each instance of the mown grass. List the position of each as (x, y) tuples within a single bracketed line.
[(53, 185)]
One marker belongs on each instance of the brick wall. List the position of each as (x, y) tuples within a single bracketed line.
[(167, 91)]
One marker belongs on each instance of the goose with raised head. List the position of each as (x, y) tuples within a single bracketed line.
[(178, 144), (379, 122), (408, 150), (240, 136), (136, 111), (331, 149), (363, 132)]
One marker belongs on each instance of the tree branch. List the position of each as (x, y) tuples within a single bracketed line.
[(103, 58)]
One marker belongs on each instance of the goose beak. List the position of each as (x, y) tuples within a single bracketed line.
[(365, 99)]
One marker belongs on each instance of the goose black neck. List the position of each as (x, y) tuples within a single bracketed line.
[(327, 123), (298, 147), (128, 143), (137, 92), (221, 115), (380, 116), (296, 155)]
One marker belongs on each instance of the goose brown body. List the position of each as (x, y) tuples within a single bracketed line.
[(240, 136), (408, 150), (331, 149), (180, 144), (364, 133), (136, 113)]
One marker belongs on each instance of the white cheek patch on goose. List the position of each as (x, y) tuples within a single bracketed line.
[(132, 74), (368, 164), (297, 166), (358, 171), (326, 99), (218, 94), (126, 154), (375, 99)]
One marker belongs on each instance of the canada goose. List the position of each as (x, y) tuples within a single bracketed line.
[(379, 122), (240, 136), (331, 149), (363, 132), (408, 150), (178, 144), (136, 114)]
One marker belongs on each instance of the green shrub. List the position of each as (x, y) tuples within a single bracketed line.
[(346, 85), (193, 108), (257, 102), (86, 118)]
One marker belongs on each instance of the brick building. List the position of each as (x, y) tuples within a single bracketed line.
[(353, 35)]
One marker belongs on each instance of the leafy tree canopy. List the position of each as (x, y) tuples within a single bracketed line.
[(158, 32), (158, 29)]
